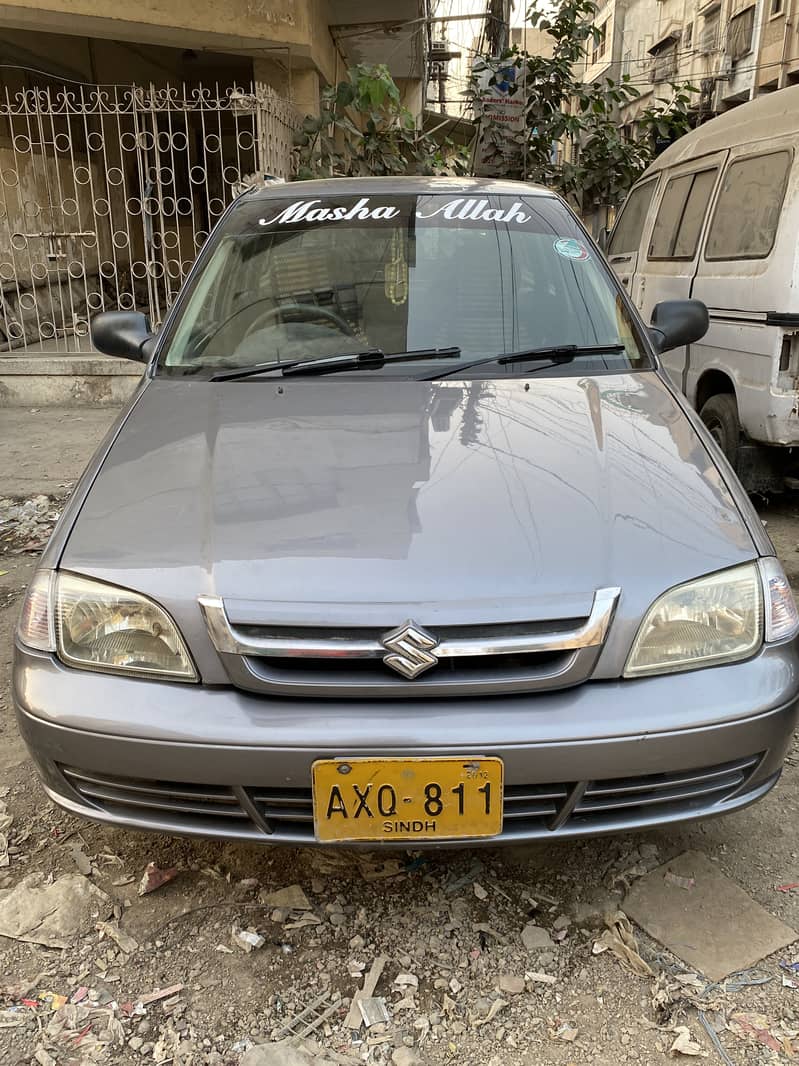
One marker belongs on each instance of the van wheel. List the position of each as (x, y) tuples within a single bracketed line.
[(720, 415)]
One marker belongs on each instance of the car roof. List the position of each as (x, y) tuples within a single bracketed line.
[(408, 186), (768, 116)]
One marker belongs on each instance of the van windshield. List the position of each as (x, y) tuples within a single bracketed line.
[(301, 278)]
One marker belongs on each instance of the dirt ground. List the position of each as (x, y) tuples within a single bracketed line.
[(458, 982)]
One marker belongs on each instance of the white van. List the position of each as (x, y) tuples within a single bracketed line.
[(716, 218)]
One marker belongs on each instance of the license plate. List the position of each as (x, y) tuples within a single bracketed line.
[(407, 799)]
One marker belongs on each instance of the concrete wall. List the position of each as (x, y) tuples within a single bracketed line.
[(300, 24)]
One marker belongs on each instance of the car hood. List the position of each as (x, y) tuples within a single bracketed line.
[(356, 502)]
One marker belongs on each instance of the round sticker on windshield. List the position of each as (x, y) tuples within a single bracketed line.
[(570, 248)]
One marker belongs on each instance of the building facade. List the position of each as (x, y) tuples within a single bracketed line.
[(125, 130)]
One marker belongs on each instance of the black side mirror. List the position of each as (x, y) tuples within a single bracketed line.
[(678, 322), (123, 334), (603, 240)]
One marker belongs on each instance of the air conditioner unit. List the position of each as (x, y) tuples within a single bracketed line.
[(439, 46)]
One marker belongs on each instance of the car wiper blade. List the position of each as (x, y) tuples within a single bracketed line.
[(241, 372), (558, 353), (368, 359), (371, 359)]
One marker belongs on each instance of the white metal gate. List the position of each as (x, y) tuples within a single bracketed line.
[(107, 193)]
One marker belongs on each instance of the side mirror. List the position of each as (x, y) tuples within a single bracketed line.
[(603, 240), (678, 322), (123, 334)]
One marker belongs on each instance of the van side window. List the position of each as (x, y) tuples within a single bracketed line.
[(627, 231), (745, 221), (682, 212)]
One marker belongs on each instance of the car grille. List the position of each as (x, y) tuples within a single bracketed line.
[(465, 660), (286, 816)]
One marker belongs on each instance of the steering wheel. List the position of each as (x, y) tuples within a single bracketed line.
[(304, 311)]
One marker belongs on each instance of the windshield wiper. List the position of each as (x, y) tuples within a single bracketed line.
[(372, 359), (368, 359), (559, 353)]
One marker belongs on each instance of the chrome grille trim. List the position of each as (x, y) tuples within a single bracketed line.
[(229, 640), (353, 662)]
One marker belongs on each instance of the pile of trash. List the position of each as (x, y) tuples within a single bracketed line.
[(26, 524), (405, 961)]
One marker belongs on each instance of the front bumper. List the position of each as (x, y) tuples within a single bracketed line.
[(600, 758)]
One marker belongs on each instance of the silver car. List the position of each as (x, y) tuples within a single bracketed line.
[(406, 538)]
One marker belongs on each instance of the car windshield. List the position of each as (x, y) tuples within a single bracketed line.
[(307, 277)]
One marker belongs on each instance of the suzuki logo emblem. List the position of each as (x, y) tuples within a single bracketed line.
[(410, 650)]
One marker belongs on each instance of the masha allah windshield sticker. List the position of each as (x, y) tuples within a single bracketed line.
[(570, 248), (469, 209)]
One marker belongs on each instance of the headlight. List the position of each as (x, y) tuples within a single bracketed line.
[(100, 627), (716, 619)]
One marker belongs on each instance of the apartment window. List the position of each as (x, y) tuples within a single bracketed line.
[(739, 34), (777, 7), (688, 36), (682, 212), (664, 65), (748, 210), (600, 42), (708, 41)]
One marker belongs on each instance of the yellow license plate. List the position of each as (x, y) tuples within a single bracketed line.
[(407, 799)]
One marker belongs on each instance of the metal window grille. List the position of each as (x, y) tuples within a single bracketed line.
[(107, 194)]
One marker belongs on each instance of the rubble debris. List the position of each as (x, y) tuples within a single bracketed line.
[(467, 879), (246, 939), (44, 1000), (81, 860), (710, 1029), (789, 887), (564, 1031), (6, 821), (378, 870), (481, 927), (26, 524), (479, 891), (12, 1018), (313, 1016), (307, 918), (373, 1010), (684, 1044), (406, 980), (702, 927), (292, 899), (535, 938), (510, 984), (51, 914), (619, 939), (282, 1053), (154, 877), (123, 941), (354, 1019), (686, 883), (750, 1026), (497, 1005), (151, 997), (540, 978), (405, 1056)]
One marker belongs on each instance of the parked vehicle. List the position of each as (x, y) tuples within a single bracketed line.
[(715, 218), (406, 538)]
